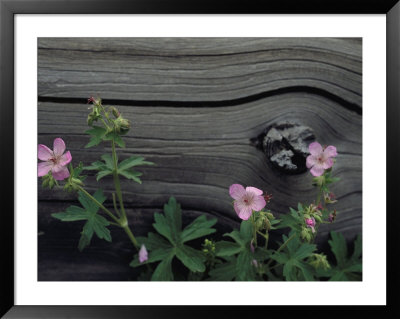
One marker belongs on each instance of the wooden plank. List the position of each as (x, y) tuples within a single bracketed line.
[(199, 153), (197, 69)]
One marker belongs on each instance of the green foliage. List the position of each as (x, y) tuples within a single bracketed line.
[(238, 253), (293, 258), (95, 224), (347, 268), (172, 241), (97, 134), (125, 167), (75, 179), (106, 167)]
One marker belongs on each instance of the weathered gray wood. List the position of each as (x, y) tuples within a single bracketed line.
[(200, 152), (199, 149), (197, 69)]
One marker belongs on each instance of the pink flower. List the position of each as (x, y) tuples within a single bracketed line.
[(246, 200), (143, 255), (310, 222), (55, 160), (320, 158)]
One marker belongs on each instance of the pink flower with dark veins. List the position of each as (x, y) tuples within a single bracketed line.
[(310, 222), (246, 200), (54, 160), (143, 255), (320, 158)]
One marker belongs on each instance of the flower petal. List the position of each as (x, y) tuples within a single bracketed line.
[(58, 147), (311, 160), (44, 153), (65, 159), (315, 148), (254, 190), (317, 170), (330, 151), (243, 211), (44, 168), (60, 172), (236, 191), (258, 203), (327, 163)]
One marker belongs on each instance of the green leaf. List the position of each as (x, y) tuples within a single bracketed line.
[(133, 161), (191, 258), (346, 268), (71, 214), (169, 226), (95, 224), (104, 168), (115, 137), (304, 251), (235, 235), (357, 248), (108, 161), (153, 241), (154, 256), (226, 248), (131, 174), (163, 272), (97, 134), (338, 247), (173, 213), (244, 266), (224, 272), (246, 230), (198, 228)]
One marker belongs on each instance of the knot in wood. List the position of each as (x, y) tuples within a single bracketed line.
[(286, 146)]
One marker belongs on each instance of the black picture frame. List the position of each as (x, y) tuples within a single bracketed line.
[(8, 10)]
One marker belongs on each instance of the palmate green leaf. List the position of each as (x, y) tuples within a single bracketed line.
[(131, 174), (193, 259), (95, 224), (227, 248), (198, 228), (169, 226), (125, 168), (244, 267), (293, 258), (339, 248), (133, 161), (115, 137), (224, 272), (346, 268), (163, 271), (97, 134), (104, 168)]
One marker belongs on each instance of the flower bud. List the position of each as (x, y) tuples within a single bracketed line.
[(115, 111), (319, 261), (122, 125)]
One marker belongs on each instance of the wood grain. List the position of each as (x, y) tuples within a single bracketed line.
[(199, 148)]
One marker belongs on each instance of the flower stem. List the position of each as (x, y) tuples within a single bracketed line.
[(99, 204), (123, 220)]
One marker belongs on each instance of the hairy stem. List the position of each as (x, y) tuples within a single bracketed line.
[(99, 204)]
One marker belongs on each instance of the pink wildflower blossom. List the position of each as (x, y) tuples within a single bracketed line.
[(320, 158), (310, 222), (143, 255), (54, 160), (246, 200)]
